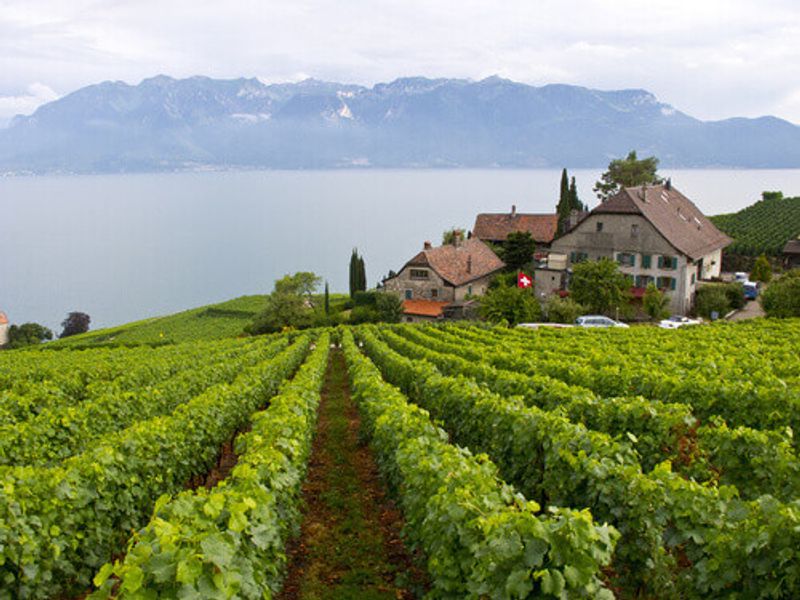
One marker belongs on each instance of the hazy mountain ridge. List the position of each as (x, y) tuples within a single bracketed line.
[(164, 124)]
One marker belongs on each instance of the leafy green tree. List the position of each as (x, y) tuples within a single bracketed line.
[(767, 196), (600, 286), (712, 299), (510, 305), (358, 275), (762, 271), (655, 302), (27, 334), (627, 172), (289, 305), (563, 310), (518, 250), (389, 307), (782, 298), (449, 237), (75, 323)]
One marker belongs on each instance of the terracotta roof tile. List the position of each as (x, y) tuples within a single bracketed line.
[(3, 318), (460, 264), (672, 214), (423, 308), (495, 227)]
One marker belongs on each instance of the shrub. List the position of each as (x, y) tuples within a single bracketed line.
[(563, 310), (712, 298), (782, 298), (510, 305)]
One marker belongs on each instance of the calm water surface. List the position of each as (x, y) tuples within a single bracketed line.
[(125, 247)]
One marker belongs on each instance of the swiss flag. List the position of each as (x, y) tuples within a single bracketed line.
[(523, 281)]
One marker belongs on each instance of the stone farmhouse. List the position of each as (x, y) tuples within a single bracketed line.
[(495, 227), (3, 329), (655, 234), (443, 277)]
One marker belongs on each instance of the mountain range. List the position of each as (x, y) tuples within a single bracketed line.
[(196, 123)]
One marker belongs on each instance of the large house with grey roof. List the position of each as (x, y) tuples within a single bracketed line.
[(655, 234), (437, 278)]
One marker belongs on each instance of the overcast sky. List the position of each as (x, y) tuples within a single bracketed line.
[(710, 58)]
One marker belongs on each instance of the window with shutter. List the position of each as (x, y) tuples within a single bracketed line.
[(646, 261), (672, 283)]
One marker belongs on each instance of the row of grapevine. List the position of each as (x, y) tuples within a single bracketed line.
[(58, 525), (229, 541), (679, 539), (47, 380), (756, 462), (481, 538), (763, 227), (60, 432), (751, 403)]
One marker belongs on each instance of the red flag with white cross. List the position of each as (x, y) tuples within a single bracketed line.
[(524, 281)]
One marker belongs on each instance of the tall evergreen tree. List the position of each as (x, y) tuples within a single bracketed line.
[(327, 300), (362, 275), (574, 202), (563, 207), (358, 275)]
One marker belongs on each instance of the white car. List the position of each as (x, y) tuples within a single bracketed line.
[(676, 321), (597, 321)]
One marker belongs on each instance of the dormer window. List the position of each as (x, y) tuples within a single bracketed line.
[(419, 274)]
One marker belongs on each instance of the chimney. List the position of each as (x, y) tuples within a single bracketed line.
[(458, 238), (643, 193), (668, 184), (513, 210), (426, 246), (469, 263)]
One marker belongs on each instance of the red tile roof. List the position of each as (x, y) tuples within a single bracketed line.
[(423, 308), (3, 319), (494, 227), (672, 214), (460, 264)]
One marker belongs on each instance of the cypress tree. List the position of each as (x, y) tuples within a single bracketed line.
[(327, 300), (574, 202), (563, 207), (353, 273), (362, 275)]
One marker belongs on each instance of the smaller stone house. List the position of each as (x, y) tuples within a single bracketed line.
[(3, 329), (791, 254), (495, 227), (437, 277)]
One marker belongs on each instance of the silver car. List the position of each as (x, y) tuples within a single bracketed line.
[(597, 321)]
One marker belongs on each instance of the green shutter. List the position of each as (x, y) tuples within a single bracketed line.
[(660, 262), (672, 282), (572, 257), (674, 263)]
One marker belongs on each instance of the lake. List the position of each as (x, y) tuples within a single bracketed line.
[(125, 247)]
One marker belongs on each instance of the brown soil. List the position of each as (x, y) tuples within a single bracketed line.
[(350, 544)]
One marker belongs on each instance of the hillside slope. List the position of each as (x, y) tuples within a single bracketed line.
[(763, 227)]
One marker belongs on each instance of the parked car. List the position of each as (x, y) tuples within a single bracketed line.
[(597, 321), (676, 321), (750, 290), (740, 276)]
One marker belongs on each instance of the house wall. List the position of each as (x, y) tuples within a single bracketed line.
[(547, 282), (633, 234), (477, 287), (3, 334), (421, 289)]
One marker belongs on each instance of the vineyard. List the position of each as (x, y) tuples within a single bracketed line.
[(763, 227), (638, 463)]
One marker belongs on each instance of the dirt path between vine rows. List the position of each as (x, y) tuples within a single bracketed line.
[(349, 546)]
